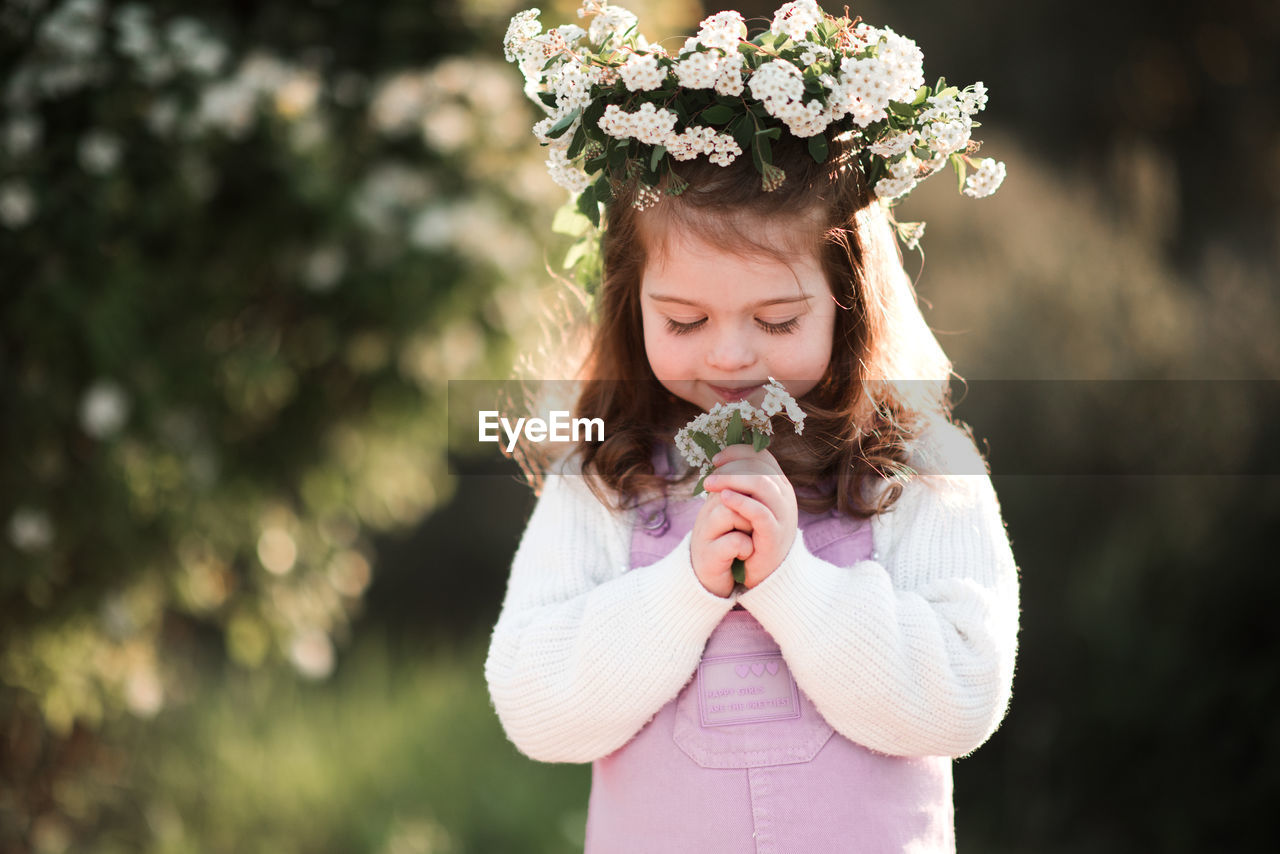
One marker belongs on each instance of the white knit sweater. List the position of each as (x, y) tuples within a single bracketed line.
[(910, 654)]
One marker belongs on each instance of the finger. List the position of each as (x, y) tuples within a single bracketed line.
[(718, 519), (734, 544), (768, 489), (754, 512), (743, 452)]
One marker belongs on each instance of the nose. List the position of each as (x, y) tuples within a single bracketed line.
[(730, 351)]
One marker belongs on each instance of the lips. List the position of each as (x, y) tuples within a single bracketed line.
[(732, 393)]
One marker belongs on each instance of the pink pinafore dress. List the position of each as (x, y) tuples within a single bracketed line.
[(741, 761)]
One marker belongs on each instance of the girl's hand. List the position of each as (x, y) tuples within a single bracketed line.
[(751, 484), (719, 537)]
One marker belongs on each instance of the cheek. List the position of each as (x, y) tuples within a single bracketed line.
[(657, 347)]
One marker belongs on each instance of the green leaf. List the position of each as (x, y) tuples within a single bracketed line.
[(818, 148), (659, 151), (617, 157), (739, 571), (579, 142), (568, 220), (708, 445), (558, 129), (698, 489), (604, 190), (548, 98), (733, 433), (760, 440), (591, 116), (957, 163), (717, 115), (588, 207)]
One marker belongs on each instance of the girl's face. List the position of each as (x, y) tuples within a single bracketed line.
[(718, 323)]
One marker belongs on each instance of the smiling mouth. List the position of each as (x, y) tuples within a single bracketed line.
[(731, 394)]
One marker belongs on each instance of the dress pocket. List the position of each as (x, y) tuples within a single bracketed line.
[(742, 708)]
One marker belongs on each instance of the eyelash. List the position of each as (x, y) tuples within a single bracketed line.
[(786, 326)]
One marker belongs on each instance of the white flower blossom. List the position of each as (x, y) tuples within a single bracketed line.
[(723, 30), (698, 70), (324, 268), (104, 408), (99, 152), (893, 144), (715, 424), (796, 19), (611, 21), (566, 173), (523, 28), (647, 124), (74, 29), (136, 38), (195, 47), (725, 150), (228, 106), (729, 83), (30, 530), (642, 73), (911, 233), (17, 203), (986, 180), (974, 100), (902, 178)]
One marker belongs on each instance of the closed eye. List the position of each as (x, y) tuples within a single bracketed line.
[(779, 328), (677, 328)]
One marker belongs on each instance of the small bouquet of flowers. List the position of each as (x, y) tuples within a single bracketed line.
[(737, 423)]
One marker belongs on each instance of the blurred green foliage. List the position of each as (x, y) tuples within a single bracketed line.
[(244, 246), (396, 754)]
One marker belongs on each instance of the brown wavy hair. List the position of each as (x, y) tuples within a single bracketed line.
[(857, 424)]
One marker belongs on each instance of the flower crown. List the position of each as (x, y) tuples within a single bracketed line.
[(622, 110)]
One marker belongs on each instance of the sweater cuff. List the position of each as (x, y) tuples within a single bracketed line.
[(683, 610), (801, 585)]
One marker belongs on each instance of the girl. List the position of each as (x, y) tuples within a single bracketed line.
[(817, 705)]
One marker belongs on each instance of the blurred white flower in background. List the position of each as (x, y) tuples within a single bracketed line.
[(30, 530), (324, 268), (390, 189), (162, 116), (74, 29), (135, 37), (297, 93), (277, 550), (104, 408), (143, 692), (227, 106), (99, 152), (195, 46), (17, 204), (312, 654), (398, 103), (22, 134)]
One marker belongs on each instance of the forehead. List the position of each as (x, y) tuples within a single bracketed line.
[(678, 230), (689, 267)]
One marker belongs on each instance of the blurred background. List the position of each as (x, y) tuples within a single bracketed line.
[(245, 245)]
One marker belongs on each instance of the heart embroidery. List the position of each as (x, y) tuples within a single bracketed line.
[(758, 669), (772, 667), (742, 670)]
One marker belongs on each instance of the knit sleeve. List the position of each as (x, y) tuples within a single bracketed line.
[(911, 654), (585, 652)]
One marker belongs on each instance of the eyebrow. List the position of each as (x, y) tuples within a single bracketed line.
[(761, 304)]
